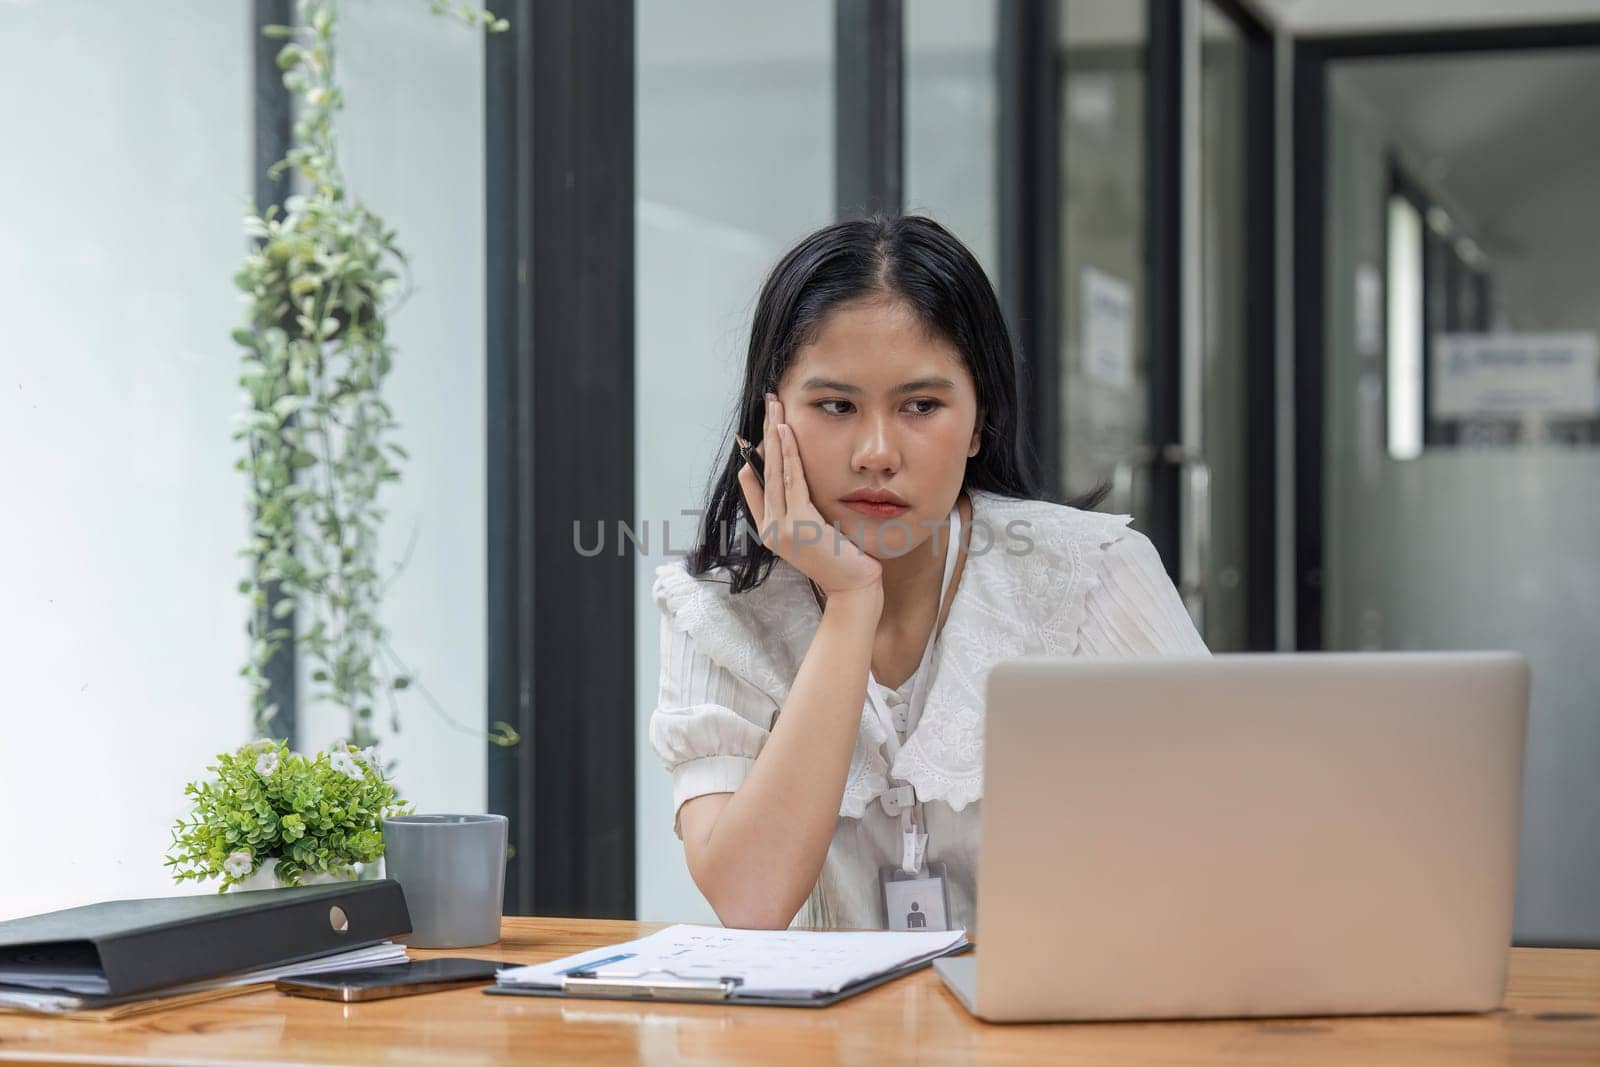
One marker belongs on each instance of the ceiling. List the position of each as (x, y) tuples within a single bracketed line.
[(1507, 139), (1493, 131), (1373, 16)]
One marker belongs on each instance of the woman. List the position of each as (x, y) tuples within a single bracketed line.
[(821, 701)]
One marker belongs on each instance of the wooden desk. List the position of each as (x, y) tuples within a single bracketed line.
[(1552, 1016)]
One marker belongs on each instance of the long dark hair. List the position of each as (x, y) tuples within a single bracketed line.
[(908, 257)]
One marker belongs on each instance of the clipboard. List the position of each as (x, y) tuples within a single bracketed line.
[(669, 990)]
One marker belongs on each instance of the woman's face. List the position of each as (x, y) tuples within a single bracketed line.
[(879, 403)]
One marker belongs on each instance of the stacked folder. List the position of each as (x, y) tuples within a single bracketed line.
[(123, 956)]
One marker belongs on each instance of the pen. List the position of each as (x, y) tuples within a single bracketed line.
[(588, 970), (747, 452)]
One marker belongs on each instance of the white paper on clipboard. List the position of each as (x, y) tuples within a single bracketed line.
[(770, 963)]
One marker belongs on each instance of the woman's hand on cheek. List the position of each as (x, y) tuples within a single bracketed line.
[(788, 522)]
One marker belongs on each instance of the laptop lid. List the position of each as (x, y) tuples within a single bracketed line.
[(1249, 835)]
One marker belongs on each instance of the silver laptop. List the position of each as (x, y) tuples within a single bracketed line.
[(1247, 836)]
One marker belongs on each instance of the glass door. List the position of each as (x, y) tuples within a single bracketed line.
[(723, 188), (1106, 436), (1460, 409), (1168, 331), (1228, 519)]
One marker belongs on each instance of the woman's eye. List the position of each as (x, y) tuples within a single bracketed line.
[(844, 407)]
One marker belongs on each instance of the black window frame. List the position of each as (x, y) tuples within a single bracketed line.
[(559, 102)]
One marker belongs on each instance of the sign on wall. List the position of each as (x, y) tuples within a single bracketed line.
[(1486, 375), (1369, 310), (1107, 328)]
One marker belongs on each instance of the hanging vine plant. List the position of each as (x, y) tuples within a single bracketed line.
[(320, 283)]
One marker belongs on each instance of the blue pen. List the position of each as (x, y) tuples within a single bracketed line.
[(586, 970)]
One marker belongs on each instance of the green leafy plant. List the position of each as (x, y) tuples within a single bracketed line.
[(312, 815), (319, 284)]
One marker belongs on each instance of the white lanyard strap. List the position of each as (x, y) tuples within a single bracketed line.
[(919, 688), (900, 799)]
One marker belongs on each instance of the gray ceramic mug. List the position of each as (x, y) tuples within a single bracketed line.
[(452, 869)]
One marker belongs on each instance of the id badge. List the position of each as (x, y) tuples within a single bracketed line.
[(918, 901)]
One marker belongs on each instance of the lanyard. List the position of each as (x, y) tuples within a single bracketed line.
[(901, 798)]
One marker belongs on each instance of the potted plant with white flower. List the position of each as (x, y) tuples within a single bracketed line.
[(271, 817)]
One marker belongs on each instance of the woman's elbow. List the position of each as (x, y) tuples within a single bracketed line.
[(757, 917), (744, 908)]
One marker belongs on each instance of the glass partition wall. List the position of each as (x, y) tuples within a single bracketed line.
[(123, 627), (1453, 444), (723, 189)]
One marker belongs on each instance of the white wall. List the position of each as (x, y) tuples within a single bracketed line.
[(122, 630)]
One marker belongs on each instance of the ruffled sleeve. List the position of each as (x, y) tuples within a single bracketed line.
[(1132, 608), (709, 724)]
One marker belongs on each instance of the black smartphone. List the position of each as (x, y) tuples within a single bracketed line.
[(399, 980)]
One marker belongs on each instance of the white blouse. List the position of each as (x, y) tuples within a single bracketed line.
[(1056, 581)]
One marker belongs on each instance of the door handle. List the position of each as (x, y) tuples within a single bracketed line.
[(1194, 529), (1125, 479), (1194, 523)]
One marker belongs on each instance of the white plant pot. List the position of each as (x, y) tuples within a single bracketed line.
[(266, 876)]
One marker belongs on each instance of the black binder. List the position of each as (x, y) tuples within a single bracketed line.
[(145, 945)]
